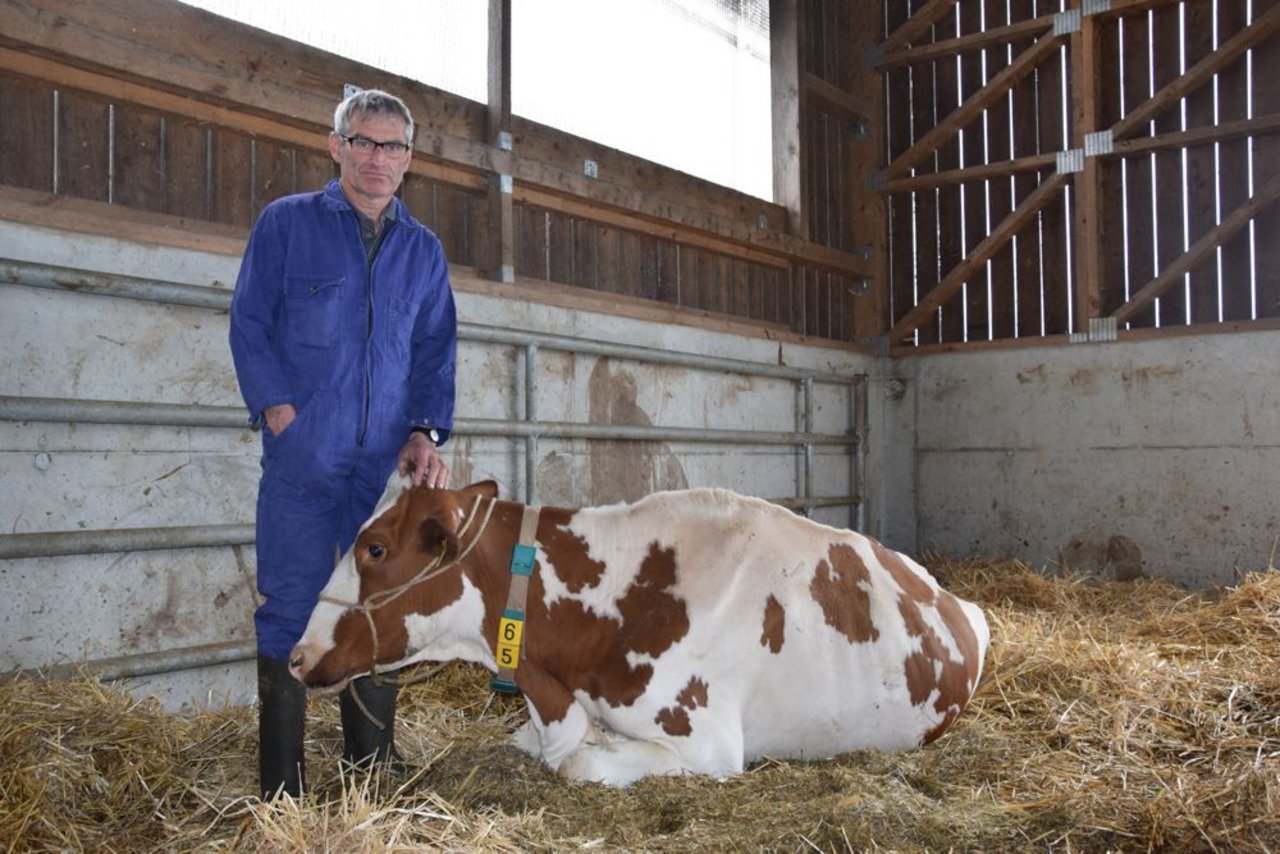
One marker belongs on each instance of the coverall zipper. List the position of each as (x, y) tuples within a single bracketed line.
[(368, 341)]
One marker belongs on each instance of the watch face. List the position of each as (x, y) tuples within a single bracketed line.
[(434, 435)]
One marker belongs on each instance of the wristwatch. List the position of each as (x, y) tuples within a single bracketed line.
[(430, 432)]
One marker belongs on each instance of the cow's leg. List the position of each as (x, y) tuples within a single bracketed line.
[(557, 723), (619, 761)]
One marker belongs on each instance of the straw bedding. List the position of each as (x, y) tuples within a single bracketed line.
[(1126, 717)]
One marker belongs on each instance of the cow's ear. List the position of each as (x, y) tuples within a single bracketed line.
[(484, 489), (434, 534)]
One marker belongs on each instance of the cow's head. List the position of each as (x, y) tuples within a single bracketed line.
[(402, 569)]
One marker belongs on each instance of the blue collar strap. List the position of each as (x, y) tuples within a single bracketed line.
[(509, 648)]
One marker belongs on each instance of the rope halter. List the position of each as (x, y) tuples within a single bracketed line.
[(382, 598)]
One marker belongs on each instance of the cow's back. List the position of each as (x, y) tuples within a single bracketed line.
[(817, 640)]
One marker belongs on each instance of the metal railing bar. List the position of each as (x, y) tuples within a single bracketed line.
[(53, 409), (151, 663), (204, 296), (115, 540)]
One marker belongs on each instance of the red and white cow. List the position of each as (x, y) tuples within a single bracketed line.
[(690, 632)]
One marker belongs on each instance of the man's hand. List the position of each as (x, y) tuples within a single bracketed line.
[(420, 459), (279, 417)]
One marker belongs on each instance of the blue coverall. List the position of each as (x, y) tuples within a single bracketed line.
[(364, 351)]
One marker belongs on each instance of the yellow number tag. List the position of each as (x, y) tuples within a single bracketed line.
[(509, 634)]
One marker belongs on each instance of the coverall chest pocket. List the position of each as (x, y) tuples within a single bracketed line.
[(313, 309)]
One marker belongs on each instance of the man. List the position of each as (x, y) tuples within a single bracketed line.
[(344, 338)]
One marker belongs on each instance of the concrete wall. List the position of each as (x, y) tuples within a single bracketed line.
[(1162, 454), (81, 476)]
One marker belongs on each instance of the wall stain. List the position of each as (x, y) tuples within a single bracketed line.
[(625, 470)]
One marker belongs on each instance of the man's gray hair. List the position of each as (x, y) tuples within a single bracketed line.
[(372, 102)]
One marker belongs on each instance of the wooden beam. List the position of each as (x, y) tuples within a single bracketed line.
[(1003, 169), (949, 48), (918, 24), (1023, 65), (845, 104), (501, 213), (979, 256), (1201, 249), (1257, 126), (1229, 51)]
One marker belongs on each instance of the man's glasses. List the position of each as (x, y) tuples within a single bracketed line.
[(364, 145)]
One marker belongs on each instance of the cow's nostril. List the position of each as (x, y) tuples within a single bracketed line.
[(296, 662)]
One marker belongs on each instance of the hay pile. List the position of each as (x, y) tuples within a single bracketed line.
[(1126, 717)]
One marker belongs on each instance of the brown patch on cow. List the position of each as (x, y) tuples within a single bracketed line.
[(904, 576), (932, 667), (566, 551), (674, 720), (588, 652), (652, 618), (846, 606), (694, 694), (775, 624)]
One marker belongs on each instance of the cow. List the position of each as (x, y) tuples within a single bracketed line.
[(691, 632)]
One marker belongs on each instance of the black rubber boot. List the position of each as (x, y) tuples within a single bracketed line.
[(282, 712), (367, 741)]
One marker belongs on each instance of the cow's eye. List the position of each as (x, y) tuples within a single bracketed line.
[(377, 551)]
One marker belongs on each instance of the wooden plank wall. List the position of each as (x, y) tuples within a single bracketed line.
[(110, 144), (1155, 196)]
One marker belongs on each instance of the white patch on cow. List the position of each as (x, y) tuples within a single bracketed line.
[(396, 485), (342, 589), (452, 633)]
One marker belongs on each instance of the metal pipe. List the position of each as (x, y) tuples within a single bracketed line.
[(203, 296), (105, 284), (531, 417), (152, 663), (61, 409), (861, 420), (186, 415), (60, 543), (806, 386)]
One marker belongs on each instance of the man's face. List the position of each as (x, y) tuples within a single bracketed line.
[(370, 176)]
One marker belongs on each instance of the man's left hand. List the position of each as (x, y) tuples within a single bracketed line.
[(421, 460)]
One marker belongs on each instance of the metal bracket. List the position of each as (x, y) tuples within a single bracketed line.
[(1101, 330), (1071, 160), (1095, 7), (1102, 142), (1065, 23), (349, 89), (876, 180), (504, 140), (505, 184), (591, 169), (872, 55)]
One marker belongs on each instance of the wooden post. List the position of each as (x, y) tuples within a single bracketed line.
[(502, 217), (789, 191), (869, 307), (1086, 81)]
